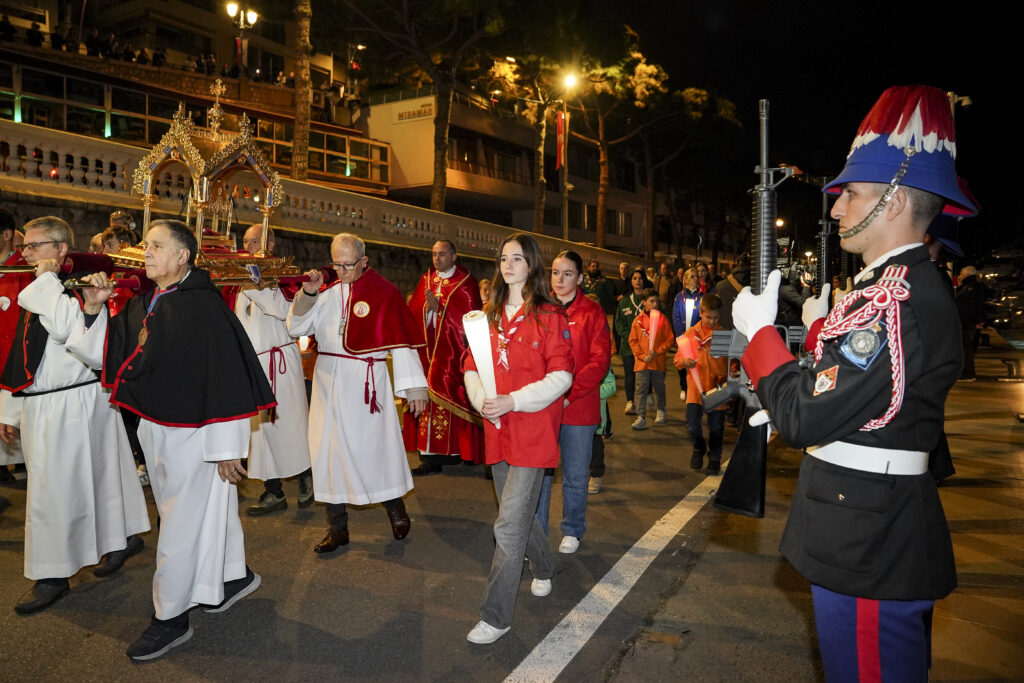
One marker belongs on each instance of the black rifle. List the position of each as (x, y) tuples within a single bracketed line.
[(743, 485)]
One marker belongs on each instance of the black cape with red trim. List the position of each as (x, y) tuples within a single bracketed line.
[(196, 365)]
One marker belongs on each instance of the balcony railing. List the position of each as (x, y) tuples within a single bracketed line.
[(50, 163)]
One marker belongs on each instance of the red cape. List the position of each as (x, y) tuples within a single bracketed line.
[(378, 318), (446, 342)]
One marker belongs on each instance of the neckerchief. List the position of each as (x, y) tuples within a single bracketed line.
[(503, 338), (637, 305)]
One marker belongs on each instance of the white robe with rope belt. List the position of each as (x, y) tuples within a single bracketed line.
[(84, 497), (280, 448), (358, 456)]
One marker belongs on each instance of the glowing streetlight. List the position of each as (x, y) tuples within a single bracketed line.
[(246, 19)]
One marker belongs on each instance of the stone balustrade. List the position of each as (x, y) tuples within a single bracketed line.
[(50, 163)]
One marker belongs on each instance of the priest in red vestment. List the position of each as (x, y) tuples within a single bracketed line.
[(450, 428)]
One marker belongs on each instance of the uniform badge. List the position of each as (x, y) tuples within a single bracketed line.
[(5, 303), (361, 309), (565, 334), (143, 336), (861, 347), (826, 380)]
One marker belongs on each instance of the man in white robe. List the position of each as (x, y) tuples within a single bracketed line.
[(279, 447), (354, 435), (84, 498), (179, 358)]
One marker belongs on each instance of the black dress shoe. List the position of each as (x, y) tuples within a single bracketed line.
[(400, 523), (425, 469), (111, 562), (42, 595), (334, 539)]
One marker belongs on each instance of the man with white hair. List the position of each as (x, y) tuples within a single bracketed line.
[(354, 435)]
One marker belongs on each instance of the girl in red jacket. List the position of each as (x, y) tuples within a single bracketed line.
[(591, 350), (533, 367)]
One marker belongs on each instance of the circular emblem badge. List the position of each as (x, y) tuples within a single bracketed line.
[(863, 343), (5, 303), (361, 309)]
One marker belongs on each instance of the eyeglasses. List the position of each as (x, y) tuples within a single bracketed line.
[(345, 267), (30, 246)]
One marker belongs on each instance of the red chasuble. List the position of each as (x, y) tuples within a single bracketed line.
[(11, 285), (450, 425)]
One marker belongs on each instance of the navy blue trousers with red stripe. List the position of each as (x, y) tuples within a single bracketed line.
[(871, 641)]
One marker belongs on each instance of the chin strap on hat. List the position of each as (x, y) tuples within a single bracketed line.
[(884, 199)]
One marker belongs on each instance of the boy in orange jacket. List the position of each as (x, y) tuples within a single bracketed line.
[(712, 372), (649, 338)]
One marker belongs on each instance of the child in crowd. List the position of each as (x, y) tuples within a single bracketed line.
[(695, 357), (649, 338), (597, 468)]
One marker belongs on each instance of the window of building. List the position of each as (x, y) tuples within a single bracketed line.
[(85, 92), (6, 75), (128, 100), (42, 113), (591, 218), (128, 128), (42, 83), (92, 122)]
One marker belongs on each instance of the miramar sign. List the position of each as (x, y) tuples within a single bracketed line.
[(413, 110)]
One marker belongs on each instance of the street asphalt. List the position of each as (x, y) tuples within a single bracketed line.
[(717, 603)]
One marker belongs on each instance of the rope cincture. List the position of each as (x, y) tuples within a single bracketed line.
[(883, 298)]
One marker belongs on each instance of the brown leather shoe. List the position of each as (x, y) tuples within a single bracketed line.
[(399, 519), (334, 539)]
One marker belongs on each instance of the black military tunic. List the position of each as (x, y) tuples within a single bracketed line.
[(861, 533)]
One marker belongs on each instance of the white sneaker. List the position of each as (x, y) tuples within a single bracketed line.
[(569, 545), (640, 423), (541, 587), (594, 486), (485, 634), (629, 408), (660, 419)]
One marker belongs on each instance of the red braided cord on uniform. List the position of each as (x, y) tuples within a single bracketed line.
[(883, 297)]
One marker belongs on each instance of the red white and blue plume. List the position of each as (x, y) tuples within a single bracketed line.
[(909, 117)]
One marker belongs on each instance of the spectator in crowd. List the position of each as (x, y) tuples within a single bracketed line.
[(107, 46), (71, 40), (650, 338), (56, 39), (159, 57), (142, 57), (281, 80), (290, 81), (33, 36), (127, 53), (93, 43), (970, 300), (485, 290), (7, 30), (210, 64)]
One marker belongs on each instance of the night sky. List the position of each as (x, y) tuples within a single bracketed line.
[(823, 65)]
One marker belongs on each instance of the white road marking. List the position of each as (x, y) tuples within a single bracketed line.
[(563, 643)]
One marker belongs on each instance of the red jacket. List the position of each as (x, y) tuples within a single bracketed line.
[(540, 345), (592, 353)]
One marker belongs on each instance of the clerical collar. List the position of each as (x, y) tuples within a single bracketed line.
[(869, 269), (447, 274)]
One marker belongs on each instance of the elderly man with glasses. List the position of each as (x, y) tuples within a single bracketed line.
[(84, 499), (354, 437)]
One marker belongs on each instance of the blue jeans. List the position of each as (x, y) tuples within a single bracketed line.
[(516, 533), (576, 443), (716, 430)]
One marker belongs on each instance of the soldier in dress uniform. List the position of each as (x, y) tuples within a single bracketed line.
[(866, 527)]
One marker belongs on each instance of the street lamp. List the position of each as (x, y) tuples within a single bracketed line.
[(246, 19), (570, 83)]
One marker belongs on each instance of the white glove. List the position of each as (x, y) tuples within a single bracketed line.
[(816, 307), (751, 312), (759, 418)]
